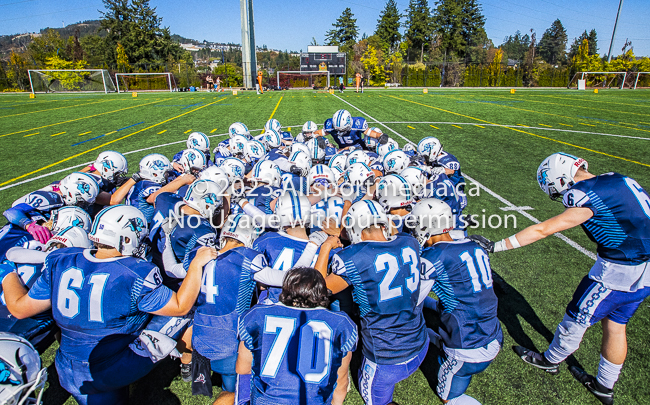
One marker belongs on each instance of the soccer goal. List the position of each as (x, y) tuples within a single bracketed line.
[(69, 80), (601, 79), (296, 78), (145, 82), (642, 80)]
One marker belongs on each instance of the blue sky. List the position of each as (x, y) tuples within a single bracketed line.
[(291, 24)]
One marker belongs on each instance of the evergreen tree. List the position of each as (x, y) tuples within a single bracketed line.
[(388, 25), (418, 26), (552, 46), (592, 39), (515, 46), (345, 31), (460, 25)]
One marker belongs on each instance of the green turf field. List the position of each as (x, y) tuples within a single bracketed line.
[(500, 139)]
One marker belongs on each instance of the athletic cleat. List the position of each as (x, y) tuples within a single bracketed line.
[(604, 395), (538, 361), (186, 371)]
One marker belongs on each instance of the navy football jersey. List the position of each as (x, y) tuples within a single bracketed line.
[(449, 161), (296, 352), (350, 138), (291, 181), (385, 277), (191, 233), (621, 222), (443, 189), (462, 280), (262, 196), (101, 305), (138, 195), (226, 293), (281, 252)]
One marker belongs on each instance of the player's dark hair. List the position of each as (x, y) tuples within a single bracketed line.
[(304, 287), (102, 246)]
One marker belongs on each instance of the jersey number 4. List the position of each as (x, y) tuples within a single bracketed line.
[(314, 357), (68, 300), (390, 264)]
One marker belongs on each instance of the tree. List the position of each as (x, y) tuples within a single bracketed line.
[(552, 46), (460, 25), (473, 22), (46, 45), (592, 39), (388, 26), (345, 31), (373, 63), (69, 80), (515, 47), (122, 59), (418, 26)]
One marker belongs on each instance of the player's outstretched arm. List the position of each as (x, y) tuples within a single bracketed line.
[(121, 192), (343, 381), (182, 301), (172, 187), (18, 302)]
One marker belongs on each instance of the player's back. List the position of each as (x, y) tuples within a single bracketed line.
[(281, 251), (386, 278), (261, 197), (621, 222), (96, 302), (226, 293), (463, 283), (296, 352), (138, 195)]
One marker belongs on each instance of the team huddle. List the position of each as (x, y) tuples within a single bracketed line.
[(273, 260)]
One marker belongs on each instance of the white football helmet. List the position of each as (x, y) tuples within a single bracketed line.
[(272, 139), (371, 142), (417, 179), (383, 150), (299, 146), (123, 227), (430, 217), (198, 140), (430, 147), (321, 174), (216, 174), (395, 161), (316, 153), (237, 146), (342, 120), (340, 160), (79, 189), (153, 167), (293, 209), (238, 128), (338, 172), (72, 236), (410, 147), (70, 216), (241, 227), (254, 151), (359, 174), (274, 125), (267, 172), (21, 371), (358, 156), (111, 164), (302, 160), (308, 129), (234, 168), (393, 191), (363, 214), (192, 161), (556, 174), (205, 196)]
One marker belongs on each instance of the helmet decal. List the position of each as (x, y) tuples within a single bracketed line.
[(84, 188)]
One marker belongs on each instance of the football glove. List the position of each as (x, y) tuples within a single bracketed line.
[(318, 238), (483, 242), (322, 143), (39, 233), (383, 139), (297, 171), (136, 177)]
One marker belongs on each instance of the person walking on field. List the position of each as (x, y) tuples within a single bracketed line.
[(218, 88), (260, 90), (341, 84), (358, 79)]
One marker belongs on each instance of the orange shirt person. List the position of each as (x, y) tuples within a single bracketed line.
[(259, 81), (358, 79)]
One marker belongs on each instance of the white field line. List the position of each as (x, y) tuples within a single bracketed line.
[(510, 126), (570, 242)]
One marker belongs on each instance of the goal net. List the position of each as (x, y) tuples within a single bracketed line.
[(593, 80), (145, 82), (296, 79), (62, 80), (641, 80)]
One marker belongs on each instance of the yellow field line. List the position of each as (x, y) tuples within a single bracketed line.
[(544, 125), (591, 100), (456, 126), (432, 126), (276, 108), (647, 123), (110, 133), (410, 127), (480, 126), (108, 143), (83, 118), (52, 109), (566, 125), (162, 132), (189, 130), (58, 133), (522, 125), (35, 133), (521, 131), (587, 125), (626, 123), (213, 131), (85, 133)]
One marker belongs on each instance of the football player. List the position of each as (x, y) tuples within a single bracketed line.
[(385, 276), (460, 274), (349, 131), (286, 340), (614, 211)]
